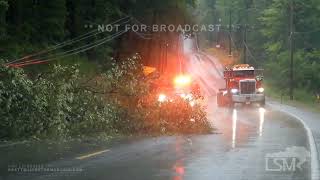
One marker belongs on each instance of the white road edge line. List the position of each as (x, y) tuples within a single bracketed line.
[(315, 175)]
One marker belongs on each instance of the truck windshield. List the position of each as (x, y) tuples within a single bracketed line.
[(243, 73)]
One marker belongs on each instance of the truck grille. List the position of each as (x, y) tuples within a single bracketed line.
[(248, 87)]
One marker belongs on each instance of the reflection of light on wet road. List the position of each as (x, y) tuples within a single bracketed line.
[(234, 127), (261, 116), (178, 167), (179, 171)]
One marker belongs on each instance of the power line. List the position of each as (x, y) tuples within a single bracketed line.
[(250, 53), (136, 20), (72, 50), (307, 32), (233, 42), (141, 35), (68, 42), (40, 61), (240, 9), (63, 44), (78, 39)]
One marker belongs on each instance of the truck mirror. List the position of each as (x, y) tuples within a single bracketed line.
[(259, 78)]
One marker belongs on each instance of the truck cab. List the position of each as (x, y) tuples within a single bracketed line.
[(243, 85)]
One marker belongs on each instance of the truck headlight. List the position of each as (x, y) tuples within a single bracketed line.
[(261, 90), (234, 91)]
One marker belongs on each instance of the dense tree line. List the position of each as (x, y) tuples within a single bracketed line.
[(29, 26), (267, 24)]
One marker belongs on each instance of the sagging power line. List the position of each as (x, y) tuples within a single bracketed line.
[(66, 43), (25, 60), (40, 61)]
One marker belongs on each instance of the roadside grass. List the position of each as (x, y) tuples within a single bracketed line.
[(302, 98)]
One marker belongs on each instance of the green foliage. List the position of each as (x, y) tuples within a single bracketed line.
[(61, 103), (53, 105), (180, 117), (176, 117), (19, 111), (126, 77), (269, 35), (275, 20)]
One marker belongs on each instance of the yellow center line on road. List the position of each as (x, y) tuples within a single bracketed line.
[(92, 154)]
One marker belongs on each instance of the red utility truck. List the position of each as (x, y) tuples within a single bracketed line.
[(243, 85)]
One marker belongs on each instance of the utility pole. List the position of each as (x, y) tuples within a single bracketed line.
[(245, 37), (291, 49), (245, 44), (230, 33), (218, 35)]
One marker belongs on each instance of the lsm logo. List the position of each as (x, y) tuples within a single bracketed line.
[(290, 160)]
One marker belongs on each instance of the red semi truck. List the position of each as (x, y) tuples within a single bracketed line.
[(243, 85)]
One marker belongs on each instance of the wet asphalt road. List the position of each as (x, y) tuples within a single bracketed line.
[(237, 150)]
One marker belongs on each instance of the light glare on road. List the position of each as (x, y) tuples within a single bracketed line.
[(261, 115), (234, 127)]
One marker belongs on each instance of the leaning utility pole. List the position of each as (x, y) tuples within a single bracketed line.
[(291, 49)]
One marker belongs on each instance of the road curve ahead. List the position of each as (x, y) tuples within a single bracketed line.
[(245, 145)]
